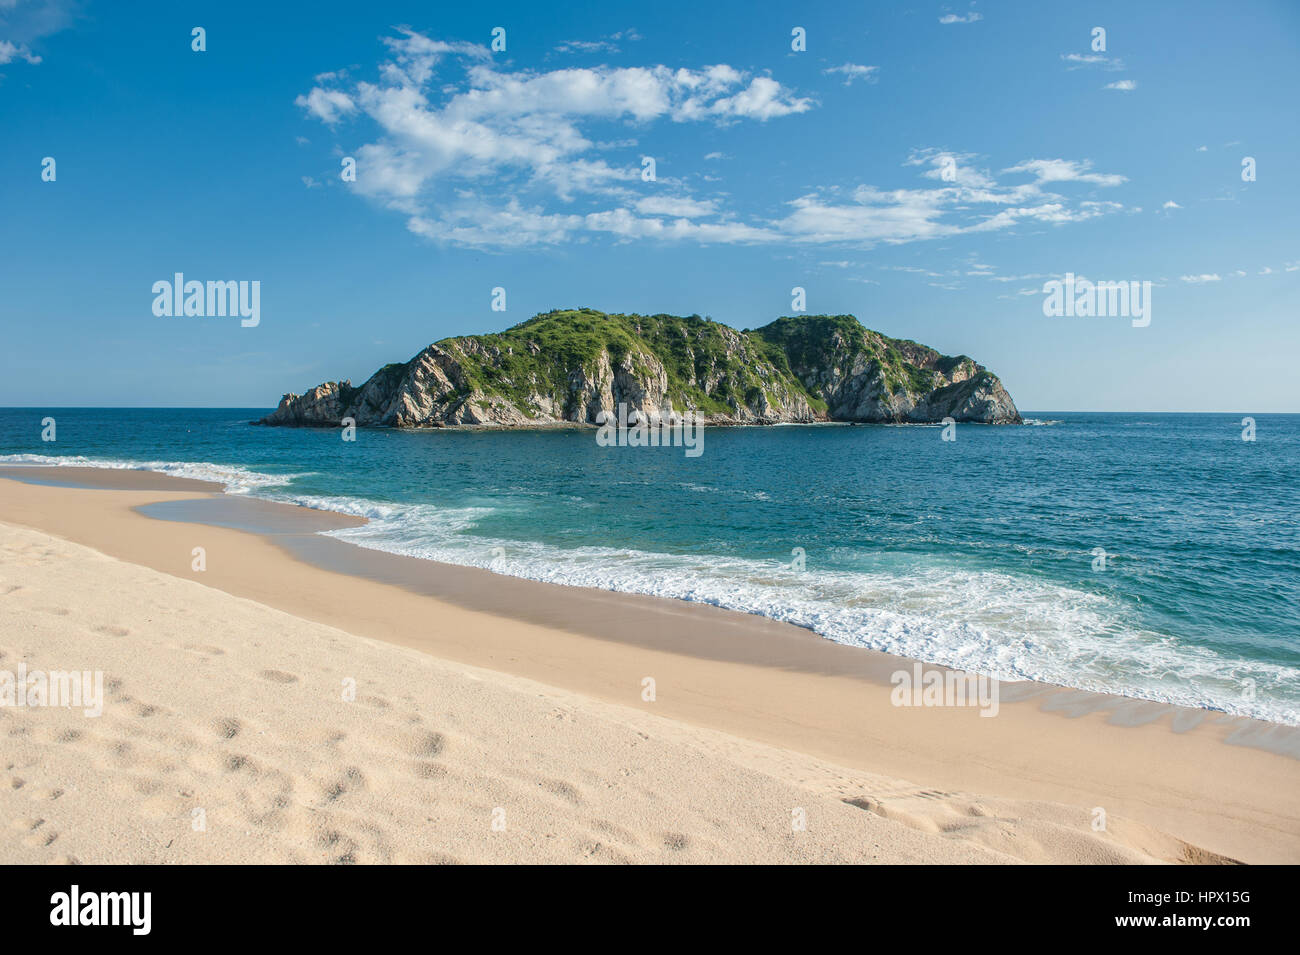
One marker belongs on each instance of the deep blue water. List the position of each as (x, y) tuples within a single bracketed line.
[(977, 553)]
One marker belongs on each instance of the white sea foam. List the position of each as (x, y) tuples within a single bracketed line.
[(1002, 625), (236, 480)]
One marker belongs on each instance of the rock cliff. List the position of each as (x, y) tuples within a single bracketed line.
[(571, 365)]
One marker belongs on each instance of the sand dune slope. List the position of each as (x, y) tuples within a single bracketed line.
[(226, 737)]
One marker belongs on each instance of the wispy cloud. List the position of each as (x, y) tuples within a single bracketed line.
[(13, 51), (1064, 170), (1200, 279), (950, 18), (1122, 85), (23, 22), (1081, 61), (854, 71), (609, 44)]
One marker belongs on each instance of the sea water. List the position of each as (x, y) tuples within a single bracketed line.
[(1151, 555)]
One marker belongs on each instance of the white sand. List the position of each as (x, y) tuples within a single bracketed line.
[(220, 704)]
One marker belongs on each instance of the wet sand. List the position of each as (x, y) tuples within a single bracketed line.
[(1224, 784)]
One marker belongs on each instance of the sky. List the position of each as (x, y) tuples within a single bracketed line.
[(922, 166)]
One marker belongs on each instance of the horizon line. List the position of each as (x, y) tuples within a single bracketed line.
[(273, 407)]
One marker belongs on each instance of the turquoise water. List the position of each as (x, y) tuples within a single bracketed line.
[(977, 553)]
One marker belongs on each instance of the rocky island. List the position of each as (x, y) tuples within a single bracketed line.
[(570, 365)]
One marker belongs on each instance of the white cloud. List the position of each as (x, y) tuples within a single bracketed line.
[(476, 224), (912, 269), (523, 127), (681, 208), (1200, 279), (23, 22), (971, 17), (854, 71), (873, 215), (16, 51), (586, 46), (609, 44), (1201, 149), (763, 99), (1171, 205), (474, 154), (329, 106), (1080, 61), (1064, 170), (1122, 85)]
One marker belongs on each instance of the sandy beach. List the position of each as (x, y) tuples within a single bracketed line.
[(501, 720)]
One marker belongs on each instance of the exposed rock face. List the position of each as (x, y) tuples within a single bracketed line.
[(573, 365), (865, 376)]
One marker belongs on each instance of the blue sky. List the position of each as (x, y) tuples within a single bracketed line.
[(775, 168)]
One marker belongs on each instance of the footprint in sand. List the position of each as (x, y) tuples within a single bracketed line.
[(428, 744), (675, 841), (352, 780), (56, 611), (227, 727), (204, 650), (566, 791), (235, 762), (124, 752), (614, 831), (336, 842), (278, 676), (37, 834), (109, 630)]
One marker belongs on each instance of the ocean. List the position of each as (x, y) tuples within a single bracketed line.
[(1151, 555)]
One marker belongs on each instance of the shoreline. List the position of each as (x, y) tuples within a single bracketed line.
[(298, 529), (1216, 781)]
